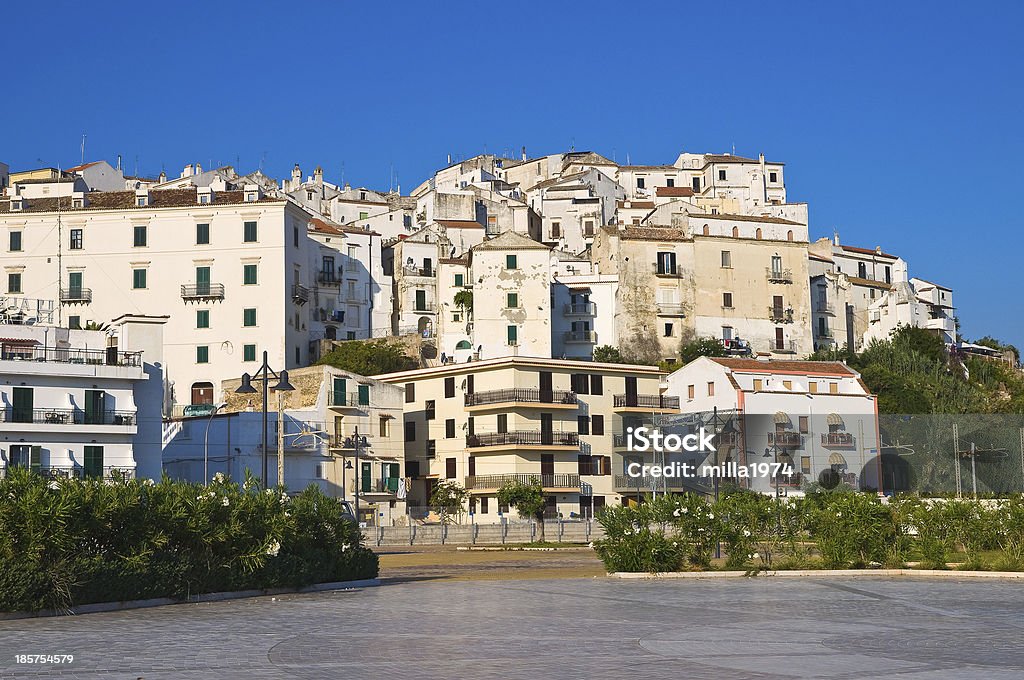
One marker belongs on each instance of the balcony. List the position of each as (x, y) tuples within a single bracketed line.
[(580, 309), (783, 348), (425, 308), (328, 278), (355, 298), (565, 481), (780, 315), (825, 333), (58, 472), (836, 440), (825, 307), (300, 294), (345, 400), (75, 296), (645, 402), (630, 483), (667, 271), (410, 270), (521, 397), (520, 438), (92, 357), (346, 443), (779, 275), (66, 416), (202, 291), (580, 336), (670, 309), (785, 439), (792, 481), (388, 485)]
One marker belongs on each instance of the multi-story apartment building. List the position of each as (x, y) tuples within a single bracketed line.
[(77, 403), (810, 415), (231, 269), (912, 302), (486, 423)]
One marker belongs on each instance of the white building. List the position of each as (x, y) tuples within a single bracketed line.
[(915, 303), (77, 403)]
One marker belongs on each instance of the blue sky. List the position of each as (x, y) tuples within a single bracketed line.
[(900, 123)]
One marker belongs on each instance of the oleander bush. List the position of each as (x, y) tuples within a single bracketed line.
[(71, 542)]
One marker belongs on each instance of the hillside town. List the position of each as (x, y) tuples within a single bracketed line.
[(174, 324)]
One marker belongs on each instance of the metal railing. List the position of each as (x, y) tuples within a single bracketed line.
[(410, 270), (836, 439), (653, 401), (349, 442), (66, 416), (57, 472), (71, 296), (428, 307), (825, 307), (626, 482), (785, 438), (560, 480), (580, 336), (300, 294), (580, 309), (666, 270), (522, 438), (520, 394), (670, 309), (345, 399), (93, 357), (823, 332), (202, 291), (780, 315), (785, 348), (328, 278), (779, 275)]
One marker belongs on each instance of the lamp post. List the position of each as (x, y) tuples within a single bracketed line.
[(206, 443), (264, 373)]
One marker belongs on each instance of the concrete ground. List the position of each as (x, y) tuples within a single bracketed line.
[(435, 620)]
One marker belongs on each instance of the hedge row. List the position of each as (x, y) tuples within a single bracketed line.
[(834, 530), (72, 542)]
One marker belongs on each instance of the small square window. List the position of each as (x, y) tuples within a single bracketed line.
[(202, 234), (459, 280), (773, 177), (138, 278), (512, 300), (75, 322), (721, 175), (511, 262), (140, 236), (248, 352), (14, 283), (250, 275), (202, 354), (76, 239), (15, 243), (249, 232), (202, 318), (249, 316)]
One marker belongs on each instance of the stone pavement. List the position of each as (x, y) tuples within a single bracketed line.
[(567, 628)]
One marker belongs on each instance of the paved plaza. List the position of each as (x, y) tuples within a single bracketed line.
[(554, 628)]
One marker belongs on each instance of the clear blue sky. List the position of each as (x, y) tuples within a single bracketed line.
[(900, 123)]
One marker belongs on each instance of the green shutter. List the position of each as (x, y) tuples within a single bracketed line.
[(364, 395), (35, 459), (93, 461), (458, 280), (250, 232), (366, 480), (22, 406), (513, 335), (202, 318), (202, 354), (340, 385), (75, 283), (249, 273), (249, 317), (249, 353), (202, 234), (510, 262), (512, 300), (138, 278), (94, 406)]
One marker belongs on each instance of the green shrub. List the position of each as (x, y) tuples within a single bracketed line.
[(631, 544), (74, 542), (854, 530)]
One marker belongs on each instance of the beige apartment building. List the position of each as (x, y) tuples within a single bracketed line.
[(486, 423)]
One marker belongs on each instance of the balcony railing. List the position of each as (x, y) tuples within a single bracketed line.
[(349, 442), (355, 299), (652, 401), (561, 480), (780, 315), (425, 307), (825, 307), (58, 472), (580, 336), (522, 438), (300, 294), (93, 357), (202, 291), (580, 309), (389, 485), (348, 399), (670, 309), (823, 333), (788, 347), (328, 278), (410, 270), (785, 438), (779, 275), (527, 395), (65, 416), (626, 482), (76, 296), (836, 439), (789, 481), (671, 271)]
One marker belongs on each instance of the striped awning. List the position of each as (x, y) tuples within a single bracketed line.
[(836, 459), (781, 418), (835, 419)]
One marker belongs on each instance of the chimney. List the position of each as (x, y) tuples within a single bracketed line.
[(199, 169), (835, 237), (524, 152), (163, 177), (119, 162), (878, 250), (318, 176), (296, 177), (187, 172)]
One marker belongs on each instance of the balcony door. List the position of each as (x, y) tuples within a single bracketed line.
[(547, 429), (547, 394), (75, 285), (95, 403), (547, 465), (93, 466), (631, 394), (421, 300), (780, 339), (22, 406), (26, 456), (202, 280)]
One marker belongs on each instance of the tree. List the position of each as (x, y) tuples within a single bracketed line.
[(464, 299), (95, 326), (368, 357), (527, 499), (448, 497), (608, 354), (701, 347)]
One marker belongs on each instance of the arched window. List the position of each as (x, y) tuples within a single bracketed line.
[(707, 230), (202, 393), (463, 344), (789, 235), (735, 232), (757, 234)]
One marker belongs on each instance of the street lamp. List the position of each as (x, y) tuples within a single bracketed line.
[(264, 373), (206, 443)]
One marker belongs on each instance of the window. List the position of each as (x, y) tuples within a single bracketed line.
[(776, 264), (250, 275), (363, 215), (449, 388), (202, 234), (727, 300), (295, 236), (556, 230), (583, 424), (711, 389), (76, 239), (138, 278), (483, 505), (735, 232), (580, 384), (668, 330), (726, 259), (140, 201), (721, 175), (75, 322), (450, 468), (248, 352), (459, 280), (363, 395), (833, 388), (501, 422), (640, 182), (410, 393), (862, 270), (511, 262), (597, 425), (449, 428), (410, 431), (727, 332), (758, 384), (789, 235), (596, 385), (385, 428), (202, 354), (140, 236), (430, 409), (690, 391), (14, 283), (695, 183), (812, 387), (803, 424), (670, 182), (805, 465), (93, 459), (15, 244), (513, 335), (249, 316), (249, 232), (788, 384), (511, 300), (431, 448), (757, 234), (773, 177), (588, 228)]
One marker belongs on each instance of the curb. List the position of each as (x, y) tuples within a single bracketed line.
[(99, 607), (514, 548), (918, 573)]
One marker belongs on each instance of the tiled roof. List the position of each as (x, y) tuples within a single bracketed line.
[(453, 260), (822, 258), (78, 168), (510, 240), (856, 280), (586, 158), (867, 251), (746, 218), (674, 191), (460, 224), (642, 168), (646, 205), (556, 180), (325, 227), (835, 368), (653, 234), (125, 200)]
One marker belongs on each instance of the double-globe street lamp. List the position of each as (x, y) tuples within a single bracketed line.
[(264, 373)]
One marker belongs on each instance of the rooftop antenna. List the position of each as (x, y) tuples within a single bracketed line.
[(83, 148), (136, 173), (734, 148), (263, 160)]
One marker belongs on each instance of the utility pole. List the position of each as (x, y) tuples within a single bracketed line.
[(355, 435), (280, 438)]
